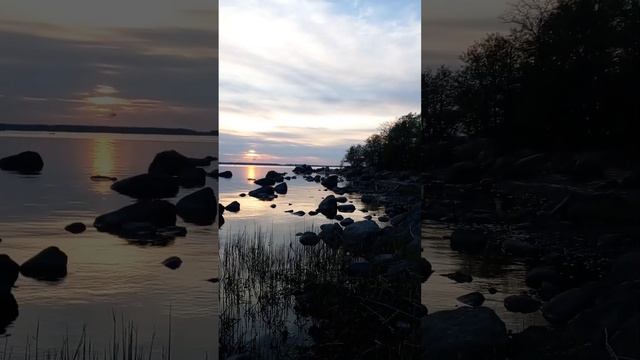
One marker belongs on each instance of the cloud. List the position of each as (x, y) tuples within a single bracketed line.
[(334, 68)]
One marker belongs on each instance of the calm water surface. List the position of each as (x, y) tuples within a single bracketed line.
[(105, 274), (505, 275)]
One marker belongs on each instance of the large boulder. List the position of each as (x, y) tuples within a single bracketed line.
[(233, 206), (48, 264), (331, 235), (330, 181), (303, 169), (360, 235), (521, 304), (266, 193), (8, 310), (466, 333), (328, 207), (275, 176), (309, 239), (28, 162), (172, 163), (265, 182), (147, 186), (159, 213), (200, 207), (193, 177), (9, 270), (281, 188), (564, 306)]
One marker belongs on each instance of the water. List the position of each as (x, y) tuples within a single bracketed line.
[(105, 274), (504, 274)]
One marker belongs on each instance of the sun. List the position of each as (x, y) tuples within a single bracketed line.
[(251, 155)]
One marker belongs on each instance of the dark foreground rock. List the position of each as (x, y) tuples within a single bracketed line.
[(49, 264), (172, 262), (281, 188), (9, 270), (225, 174), (147, 186), (463, 334), (266, 193), (328, 207), (360, 235), (309, 239), (172, 163), (473, 299), (234, 206), (76, 228), (28, 162), (200, 207), (8, 310), (521, 304), (158, 213)]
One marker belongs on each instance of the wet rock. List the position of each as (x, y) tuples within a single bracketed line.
[(28, 162), (169, 162), (273, 206), (459, 277), (330, 181), (346, 208), (465, 333), (493, 291), (566, 305), (299, 213), (368, 217), (172, 262), (48, 264), (76, 228), (328, 207), (200, 207), (470, 241), (536, 276), (266, 193), (242, 195), (347, 222), (275, 176), (265, 182), (312, 213), (225, 174), (331, 234), (360, 235), (234, 206), (341, 199), (9, 270), (103, 178), (339, 217), (147, 186), (473, 299), (281, 188), (521, 304), (159, 213), (192, 177), (309, 239)]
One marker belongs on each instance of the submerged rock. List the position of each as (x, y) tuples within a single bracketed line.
[(172, 262), (200, 207), (147, 186), (76, 228), (48, 264), (159, 213), (28, 162), (9, 270)]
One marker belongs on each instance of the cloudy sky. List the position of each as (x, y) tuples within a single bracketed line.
[(301, 80), (450, 26), (117, 62)]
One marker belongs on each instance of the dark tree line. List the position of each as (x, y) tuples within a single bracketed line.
[(566, 75)]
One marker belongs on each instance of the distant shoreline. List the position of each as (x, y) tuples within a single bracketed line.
[(105, 129), (269, 164)]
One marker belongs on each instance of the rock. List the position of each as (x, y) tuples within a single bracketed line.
[(147, 186), (360, 235), (103, 178), (172, 262), (273, 206), (281, 188), (339, 217), (205, 161), (275, 176), (299, 213), (331, 234), (368, 199), (9, 310), (309, 239), (465, 333), (473, 299), (625, 268), (76, 227), (518, 247), (213, 280), (459, 277), (289, 211), (566, 305), (192, 177), (328, 207), (234, 206), (521, 304), (220, 220), (242, 195), (330, 181), (265, 182), (9, 270), (470, 241), (168, 162), (159, 213), (213, 173), (536, 276), (493, 291), (359, 269), (464, 172), (347, 222), (341, 199), (225, 174), (303, 169), (48, 264), (200, 207), (383, 218), (221, 209), (28, 162), (266, 193), (347, 208), (312, 213)]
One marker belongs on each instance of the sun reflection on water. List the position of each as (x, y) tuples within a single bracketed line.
[(102, 161), (251, 173)]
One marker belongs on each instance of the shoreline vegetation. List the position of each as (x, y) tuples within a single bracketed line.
[(105, 129)]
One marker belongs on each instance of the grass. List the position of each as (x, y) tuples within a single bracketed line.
[(126, 343)]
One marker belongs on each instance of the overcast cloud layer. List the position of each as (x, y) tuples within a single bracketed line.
[(301, 80), (122, 63)]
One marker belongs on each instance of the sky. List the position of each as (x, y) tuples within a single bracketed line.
[(451, 26), (301, 80), (117, 62)]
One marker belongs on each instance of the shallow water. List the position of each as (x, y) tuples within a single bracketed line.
[(504, 274), (106, 274)]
